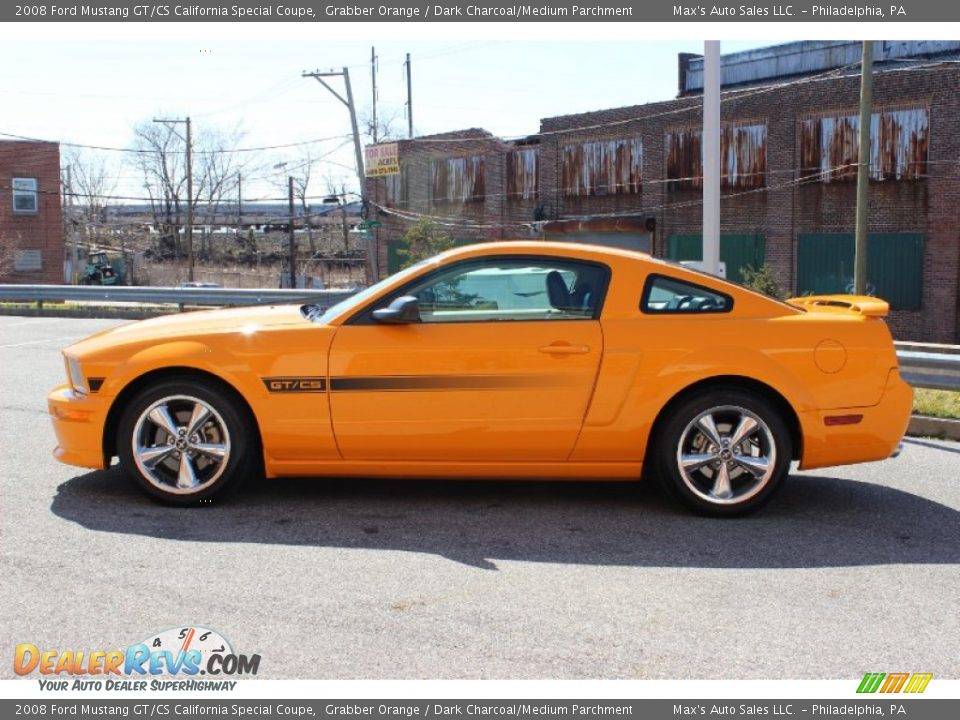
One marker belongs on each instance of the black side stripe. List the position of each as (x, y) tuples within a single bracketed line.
[(400, 383)]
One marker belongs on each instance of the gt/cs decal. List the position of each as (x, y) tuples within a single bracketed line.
[(295, 384)]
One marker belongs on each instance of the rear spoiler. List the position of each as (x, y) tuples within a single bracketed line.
[(863, 304)]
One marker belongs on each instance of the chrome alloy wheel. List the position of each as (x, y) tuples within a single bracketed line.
[(726, 455), (181, 444)]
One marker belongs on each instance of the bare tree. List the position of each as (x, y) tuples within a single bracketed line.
[(341, 195), (160, 156), (390, 124), (93, 181), (161, 160)]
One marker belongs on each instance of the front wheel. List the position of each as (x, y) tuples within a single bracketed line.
[(183, 441), (725, 452)]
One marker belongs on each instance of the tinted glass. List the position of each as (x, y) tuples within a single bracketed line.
[(508, 289), (668, 295)]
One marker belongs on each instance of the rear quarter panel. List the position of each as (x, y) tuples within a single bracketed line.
[(650, 358)]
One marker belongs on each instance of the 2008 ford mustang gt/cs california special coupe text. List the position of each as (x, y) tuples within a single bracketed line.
[(503, 360)]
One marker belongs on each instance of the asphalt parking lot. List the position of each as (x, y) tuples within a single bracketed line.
[(849, 570)]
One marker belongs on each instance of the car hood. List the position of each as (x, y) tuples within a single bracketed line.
[(246, 320)]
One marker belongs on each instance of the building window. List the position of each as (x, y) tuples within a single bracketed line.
[(397, 187), (894, 266), (743, 157), (25, 196), (458, 180), (603, 167), (523, 177), (737, 251), (899, 146)]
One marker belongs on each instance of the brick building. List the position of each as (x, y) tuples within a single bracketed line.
[(31, 227), (630, 176)]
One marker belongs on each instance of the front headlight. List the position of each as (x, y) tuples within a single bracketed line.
[(75, 375)]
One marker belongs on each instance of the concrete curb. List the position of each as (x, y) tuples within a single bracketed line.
[(923, 426), (92, 313)]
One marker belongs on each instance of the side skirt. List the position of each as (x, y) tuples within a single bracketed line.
[(457, 471)]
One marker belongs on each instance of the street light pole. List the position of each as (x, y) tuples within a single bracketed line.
[(711, 157)]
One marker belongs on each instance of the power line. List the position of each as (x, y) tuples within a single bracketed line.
[(142, 151)]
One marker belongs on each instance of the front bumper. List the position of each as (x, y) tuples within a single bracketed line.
[(876, 437), (78, 422)]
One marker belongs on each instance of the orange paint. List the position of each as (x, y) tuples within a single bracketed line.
[(491, 399)]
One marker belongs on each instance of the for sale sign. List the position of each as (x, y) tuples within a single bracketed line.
[(382, 160)]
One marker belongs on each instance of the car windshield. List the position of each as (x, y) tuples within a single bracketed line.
[(348, 304)]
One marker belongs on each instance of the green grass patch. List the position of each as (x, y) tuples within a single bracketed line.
[(47, 305), (936, 403)]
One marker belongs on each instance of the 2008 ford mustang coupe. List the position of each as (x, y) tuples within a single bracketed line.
[(502, 360)]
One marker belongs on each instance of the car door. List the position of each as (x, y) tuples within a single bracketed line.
[(500, 366)]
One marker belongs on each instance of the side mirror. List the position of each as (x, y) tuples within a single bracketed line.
[(402, 311)]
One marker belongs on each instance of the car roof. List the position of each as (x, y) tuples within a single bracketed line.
[(545, 247)]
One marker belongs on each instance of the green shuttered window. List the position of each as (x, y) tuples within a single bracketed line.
[(894, 266), (736, 250)]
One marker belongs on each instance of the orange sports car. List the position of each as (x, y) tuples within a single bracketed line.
[(502, 360)]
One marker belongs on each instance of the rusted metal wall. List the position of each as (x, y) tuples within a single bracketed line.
[(523, 173), (899, 145), (459, 179), (604, 167), (743, 157)]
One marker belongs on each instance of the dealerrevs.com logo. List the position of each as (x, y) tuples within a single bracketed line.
[(154, 664)]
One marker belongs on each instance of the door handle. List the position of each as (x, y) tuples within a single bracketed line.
[(565, 349)]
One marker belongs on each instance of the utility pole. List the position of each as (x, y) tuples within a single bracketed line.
[(239, 206), (373, 78), (863, 171), (409, 99), (373, 265), (74, 249), (189, 202), (189, 141), (292, 240), (711, 156)]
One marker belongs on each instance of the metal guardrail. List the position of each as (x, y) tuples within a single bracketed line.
[(922, 365), (180, 296)]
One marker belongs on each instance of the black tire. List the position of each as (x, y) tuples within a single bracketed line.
[(749, 482), (228, 428)]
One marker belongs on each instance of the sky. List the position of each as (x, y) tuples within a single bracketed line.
[(93, 91)]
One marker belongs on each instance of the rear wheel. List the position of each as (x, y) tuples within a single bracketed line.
[(725, 452), (183, 441)]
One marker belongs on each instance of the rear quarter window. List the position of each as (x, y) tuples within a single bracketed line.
[(663, 294)]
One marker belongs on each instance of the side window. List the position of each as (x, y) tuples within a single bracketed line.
[(25, 196), (663, 294), (512, 289)]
